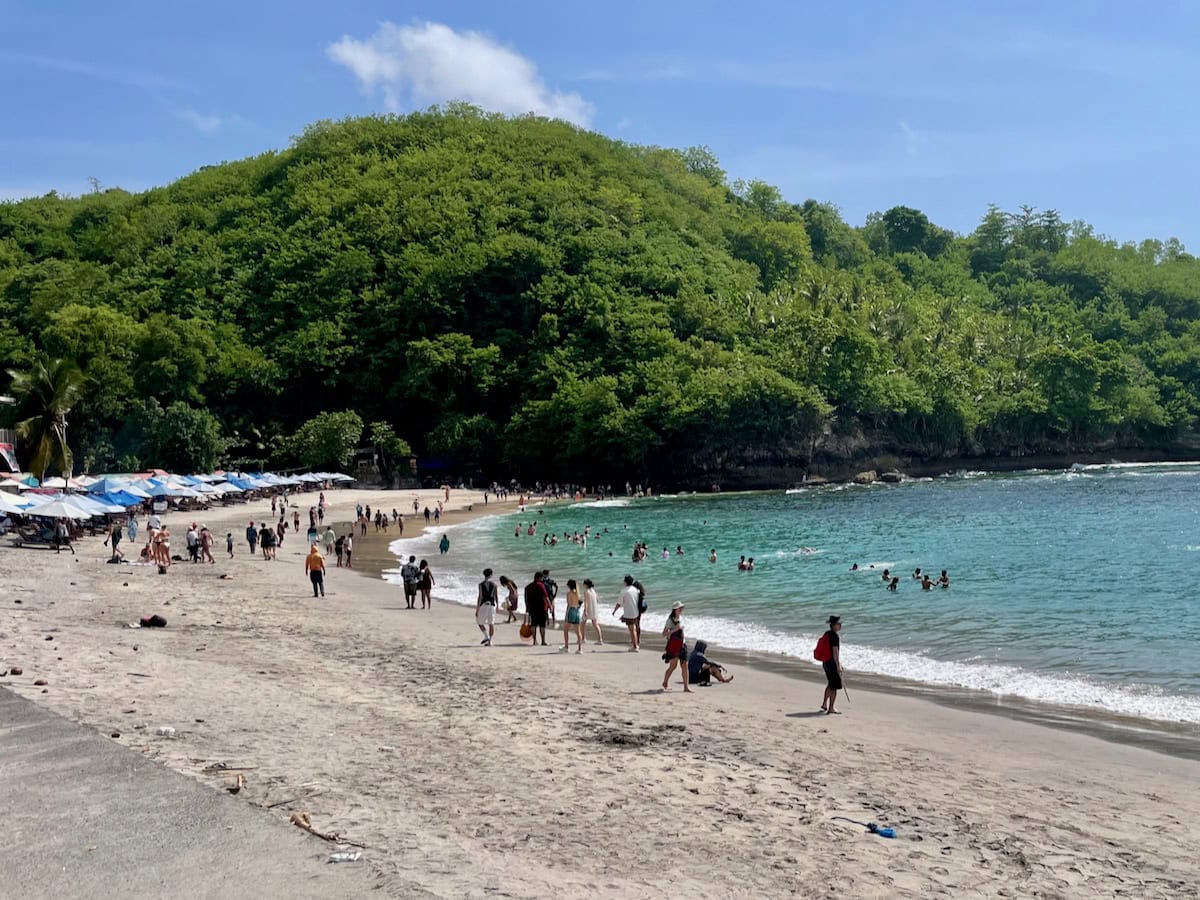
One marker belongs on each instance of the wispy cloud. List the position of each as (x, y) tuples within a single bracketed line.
[(131, 77), (207, 124), (426, 62)]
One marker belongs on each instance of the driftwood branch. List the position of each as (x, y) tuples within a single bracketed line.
[(301, 820)]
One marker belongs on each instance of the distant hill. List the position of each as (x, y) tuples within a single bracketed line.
[(521, 296)]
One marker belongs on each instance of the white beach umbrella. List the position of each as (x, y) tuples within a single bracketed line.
[(59, 509), (11, 507), (55, 483)]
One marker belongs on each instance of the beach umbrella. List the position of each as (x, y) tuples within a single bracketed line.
[(29, 481), (107, 485), (55, 483), (11, 484), (228, 487), (12, 507), (59, 509), (338, 476)]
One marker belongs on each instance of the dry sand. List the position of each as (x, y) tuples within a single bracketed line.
[(522, 772)]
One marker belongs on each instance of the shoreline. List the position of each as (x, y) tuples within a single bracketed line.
[(1177, 739), (397, 730)]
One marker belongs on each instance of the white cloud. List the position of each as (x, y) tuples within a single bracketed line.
[(423, 63), (208, 124)]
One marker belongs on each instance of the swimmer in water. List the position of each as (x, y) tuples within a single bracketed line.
[(679, 550), (944, 581), (894, 585), (916, 575), (854, 568), (887, 576), (712, 555), (750, 564), (926, 583), (742, 564)]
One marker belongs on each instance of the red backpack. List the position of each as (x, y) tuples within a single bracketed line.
[(822, 652)]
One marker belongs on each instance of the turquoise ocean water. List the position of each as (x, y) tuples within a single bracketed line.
[(1069, 588)]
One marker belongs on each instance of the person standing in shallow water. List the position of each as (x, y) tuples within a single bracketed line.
[(444, 544), (833, 667)]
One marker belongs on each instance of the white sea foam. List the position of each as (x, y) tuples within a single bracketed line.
[(601, 504), (1140, 701)]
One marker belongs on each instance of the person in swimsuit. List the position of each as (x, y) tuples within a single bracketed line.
[(574, 619), (510, 602), (944, 581), (427, 584), (675, 655)]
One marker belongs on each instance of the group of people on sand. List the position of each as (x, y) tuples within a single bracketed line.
[(582, 609), (891, 581)]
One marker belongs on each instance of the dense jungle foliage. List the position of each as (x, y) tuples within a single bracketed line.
[(519, 296)]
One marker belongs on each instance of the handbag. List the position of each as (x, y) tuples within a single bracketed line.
[(526, 629)]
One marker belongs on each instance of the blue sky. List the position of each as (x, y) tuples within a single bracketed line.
[(1089, 108)]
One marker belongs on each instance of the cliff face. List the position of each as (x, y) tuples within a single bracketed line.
[(841, 457)]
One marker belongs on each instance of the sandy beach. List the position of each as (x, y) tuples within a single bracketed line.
[(522, 772)]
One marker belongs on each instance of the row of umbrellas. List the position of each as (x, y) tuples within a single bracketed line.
[(112, 494)]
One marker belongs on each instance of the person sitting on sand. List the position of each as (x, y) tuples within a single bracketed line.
[(675, 654), (833, 667), (944, 581), (702, 670)]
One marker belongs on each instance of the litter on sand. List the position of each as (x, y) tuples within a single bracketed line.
[(345, 856)]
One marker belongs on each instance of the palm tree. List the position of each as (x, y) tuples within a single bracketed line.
[(48, 391)]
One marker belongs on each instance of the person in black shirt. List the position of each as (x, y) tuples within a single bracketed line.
[(833, 667)]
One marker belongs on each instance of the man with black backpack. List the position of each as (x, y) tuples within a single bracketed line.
[(485, 608)]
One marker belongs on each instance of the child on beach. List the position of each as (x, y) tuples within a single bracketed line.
[(229, 543)]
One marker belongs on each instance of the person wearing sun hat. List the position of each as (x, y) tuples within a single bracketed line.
[(675, 653), (832, 667)]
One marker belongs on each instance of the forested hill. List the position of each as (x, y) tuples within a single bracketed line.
[(517, 296)]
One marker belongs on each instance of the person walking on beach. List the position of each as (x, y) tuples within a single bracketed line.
[(411, 576), (427, 584), (229, 543), (206, 545), (537, 601), (252, 537), (348, 547), (132, 531), (574, 619), (444, 545), (330, 540), (314, 565), (627, 603), (339, 547), (510, 602), (114, 537), (296, 521), (551, 587), (675, 653), (831, 661), (590, 604), (641, 591), (485, 608)]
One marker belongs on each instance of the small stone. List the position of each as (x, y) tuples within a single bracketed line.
[(124, 584), (49, 637), (40, 682), (45, 690), (17, 601), (72, 584), (200, 721), (115, 734), (135, 646), (16, 670)]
